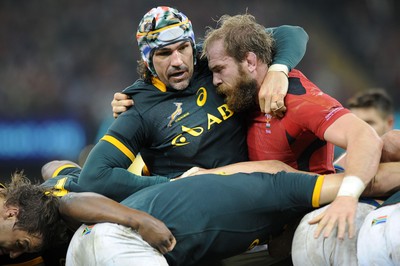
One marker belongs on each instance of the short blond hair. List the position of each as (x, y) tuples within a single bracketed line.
[(241, 34)]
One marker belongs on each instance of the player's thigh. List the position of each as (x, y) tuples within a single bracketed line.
[(260, 258), (111, 244), (306, 250)]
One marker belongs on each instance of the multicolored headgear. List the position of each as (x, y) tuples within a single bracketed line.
[(159, 27)]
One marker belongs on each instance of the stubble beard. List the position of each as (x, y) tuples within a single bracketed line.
[(181, 85)]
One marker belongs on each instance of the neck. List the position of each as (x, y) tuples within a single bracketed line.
[(262, 71)]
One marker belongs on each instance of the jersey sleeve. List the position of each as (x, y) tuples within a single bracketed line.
[(66, 181), (292, 190), (106, 168), (309, 107), (290, 44), (317, 117)]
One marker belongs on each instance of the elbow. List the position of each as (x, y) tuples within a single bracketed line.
[(299, 31)]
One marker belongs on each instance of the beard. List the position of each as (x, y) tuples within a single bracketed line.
[(243, 94)]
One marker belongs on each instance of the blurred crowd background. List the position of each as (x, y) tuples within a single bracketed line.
[(61, 62)]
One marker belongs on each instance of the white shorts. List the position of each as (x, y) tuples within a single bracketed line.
[(306, 250), (379, 237), (111, 244)]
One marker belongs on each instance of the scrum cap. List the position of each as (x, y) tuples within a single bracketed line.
[(159, 27)]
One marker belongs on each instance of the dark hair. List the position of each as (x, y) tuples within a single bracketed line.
[(143, 71), (38, 213), (373, 98)]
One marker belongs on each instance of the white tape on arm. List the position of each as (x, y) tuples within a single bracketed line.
[(279, 67), (351, 186)]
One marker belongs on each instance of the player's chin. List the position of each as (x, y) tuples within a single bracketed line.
[(180, 84)]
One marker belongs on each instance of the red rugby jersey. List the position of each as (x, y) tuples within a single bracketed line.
[(298, 138)]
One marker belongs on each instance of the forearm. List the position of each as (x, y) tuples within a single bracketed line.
[(363, 156), (266, 166), (105, 172), (330, 188), (363, 151), (90, 207), (385, 183), (94, 208), (290, 45)]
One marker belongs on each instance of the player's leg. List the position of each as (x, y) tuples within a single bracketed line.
[(306, 250), (108, 244)]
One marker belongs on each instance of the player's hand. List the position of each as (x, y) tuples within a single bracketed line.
[(196, 171), (340, 213), (272, 93), (156, 233), (192, 171), (120, 103)]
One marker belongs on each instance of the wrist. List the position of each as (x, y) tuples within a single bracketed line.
[(279, 68), (351, 186)]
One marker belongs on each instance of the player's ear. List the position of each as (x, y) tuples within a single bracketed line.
[(251, 61), (10, 211)]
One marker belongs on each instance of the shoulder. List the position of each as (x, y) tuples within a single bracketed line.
[(299, 84), (306, 90), (137, 86)]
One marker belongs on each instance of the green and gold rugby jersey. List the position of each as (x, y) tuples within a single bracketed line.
[(218, 216), (173, 131), (64, 180)]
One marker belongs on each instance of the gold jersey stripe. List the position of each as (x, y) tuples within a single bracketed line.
[(159, 84), (118, 144), (59, 169), (61, 191), (317, 191)]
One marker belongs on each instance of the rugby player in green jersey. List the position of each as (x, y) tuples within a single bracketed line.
[(254, 206), (211, 217), (179, 120)]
